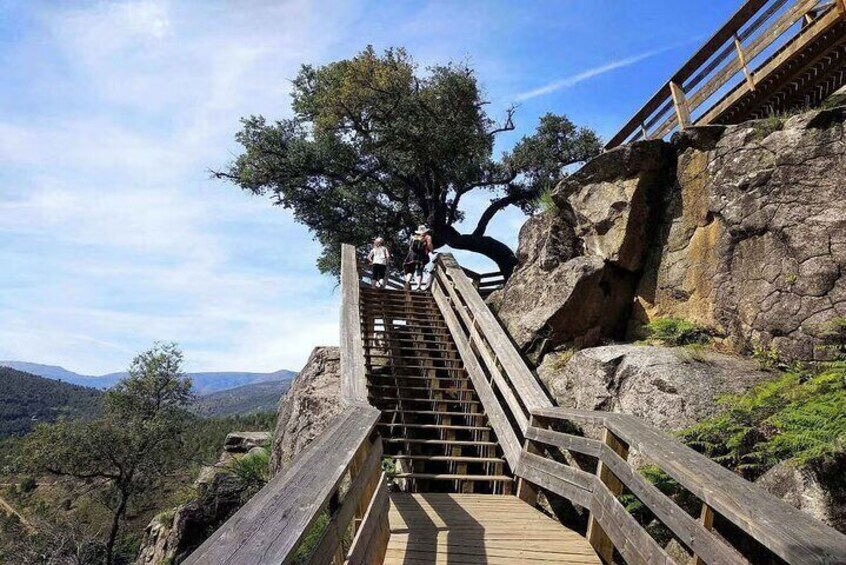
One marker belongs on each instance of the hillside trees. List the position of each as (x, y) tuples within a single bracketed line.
[(375, 148), (134, 444)]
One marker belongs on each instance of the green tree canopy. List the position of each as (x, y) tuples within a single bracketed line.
[(136, 442), (375, 148)]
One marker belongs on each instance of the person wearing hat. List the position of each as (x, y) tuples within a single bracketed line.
[(418, 255), (379, 257)]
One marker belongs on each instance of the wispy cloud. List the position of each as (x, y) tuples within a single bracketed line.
[(573, 80)]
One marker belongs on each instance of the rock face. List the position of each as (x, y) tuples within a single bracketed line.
[(738, 228), (819, 491), (308, 407), (754, 239), (578, 265), (669, 388)]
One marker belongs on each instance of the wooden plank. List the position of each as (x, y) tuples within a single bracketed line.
[(524, 382), (688, 530), (496, 416), (808, 35), (269, 527), (371, 539), (680, 105), (353, 382), (706, 520), (360, 490), (628, 537), (565, 441), (514, 406), (743, 14), (788, 532), (741, 56), (569, 482), (596, 535)]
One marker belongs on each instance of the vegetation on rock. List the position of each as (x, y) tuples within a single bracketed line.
[(375, 147), (799, 417), (676, 331)]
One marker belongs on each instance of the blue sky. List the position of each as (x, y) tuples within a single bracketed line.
[(112, 235)]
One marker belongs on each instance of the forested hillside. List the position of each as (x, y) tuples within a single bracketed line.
[(247, 399), (28, 400)]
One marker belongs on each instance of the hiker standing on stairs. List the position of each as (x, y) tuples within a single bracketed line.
[(418, 256), (379, 258)]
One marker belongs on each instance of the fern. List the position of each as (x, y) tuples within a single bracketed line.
[(797, 417)]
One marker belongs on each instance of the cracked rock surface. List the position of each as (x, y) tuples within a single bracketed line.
[(669, 388), (738, 228)]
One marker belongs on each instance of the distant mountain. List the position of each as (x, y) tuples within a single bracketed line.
[(247, 399), (28, 399), (204, 383)]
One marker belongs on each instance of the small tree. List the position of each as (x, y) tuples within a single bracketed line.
[(135, 443), (374, 148)]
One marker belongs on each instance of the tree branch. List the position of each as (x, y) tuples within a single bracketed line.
[(497, 206)]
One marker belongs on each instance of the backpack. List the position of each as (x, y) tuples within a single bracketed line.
[(418, 247)]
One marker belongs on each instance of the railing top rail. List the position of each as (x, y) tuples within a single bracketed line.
[(723, 50), (269, 527), (785, 530)]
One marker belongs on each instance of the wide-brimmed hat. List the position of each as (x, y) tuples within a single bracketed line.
[(422, 229)]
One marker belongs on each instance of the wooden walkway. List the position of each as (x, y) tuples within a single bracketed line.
[(432, 528)]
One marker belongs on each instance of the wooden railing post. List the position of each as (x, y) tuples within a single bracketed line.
[(595, 534), (706, 518), (680, 104), (526, 491), (741, 56), (353, 380)]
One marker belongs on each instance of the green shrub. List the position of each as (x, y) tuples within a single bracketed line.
[(311, 539), (676, 331), (27, 484), (797, 417), (545, 203), (252, 471), (768, 358)]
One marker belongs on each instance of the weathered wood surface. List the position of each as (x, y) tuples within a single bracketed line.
[(524, 382), (496, 416), (756, 26), (569, 482), (438, 528), (353, 381), (360, 489), (268, 529), (786, 531), (371, 539)]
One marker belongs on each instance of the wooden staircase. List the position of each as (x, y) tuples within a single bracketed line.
[(435, 432)]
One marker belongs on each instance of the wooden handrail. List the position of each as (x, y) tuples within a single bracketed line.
[(782, 529), (269, 528), (492, 362), (757, 25)]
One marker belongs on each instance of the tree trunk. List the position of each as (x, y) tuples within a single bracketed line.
[(119, 512), (491, 248)]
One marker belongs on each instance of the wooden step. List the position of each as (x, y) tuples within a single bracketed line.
[(421, 367), (430, 400), (440, 477), (441, 442), (448, 458), (412, 357), (435, 412), (417, 342), (434, 426), (425, 388), (415, 378)]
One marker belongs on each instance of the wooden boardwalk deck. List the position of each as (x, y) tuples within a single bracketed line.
[(433, 528)]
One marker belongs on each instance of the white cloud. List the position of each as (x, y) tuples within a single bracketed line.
[(573, 80)]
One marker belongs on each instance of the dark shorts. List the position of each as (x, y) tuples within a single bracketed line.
[(412, 268), (379, 271)]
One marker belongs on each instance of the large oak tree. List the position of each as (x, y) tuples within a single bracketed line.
[(376, 147)]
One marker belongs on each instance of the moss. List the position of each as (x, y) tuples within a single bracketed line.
[(797, 417), (676, 331), (561, 358)]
